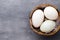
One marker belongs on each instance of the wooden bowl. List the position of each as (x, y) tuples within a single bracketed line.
[(36, 30)]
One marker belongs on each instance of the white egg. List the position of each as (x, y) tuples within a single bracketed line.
[(37, 18), (51, 13), (47, 26)]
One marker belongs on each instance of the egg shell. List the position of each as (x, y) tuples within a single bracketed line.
[(37, 18), (47, 26), (51, 13)]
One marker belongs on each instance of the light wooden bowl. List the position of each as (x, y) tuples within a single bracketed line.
[(37, 30)]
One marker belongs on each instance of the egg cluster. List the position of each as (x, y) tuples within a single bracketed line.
[(38, 19)]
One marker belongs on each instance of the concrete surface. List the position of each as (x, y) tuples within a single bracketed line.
[(14, 19)]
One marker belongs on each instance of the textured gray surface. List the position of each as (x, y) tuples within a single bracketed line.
[(14, 19)]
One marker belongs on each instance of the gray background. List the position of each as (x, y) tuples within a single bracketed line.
[(14, 19)]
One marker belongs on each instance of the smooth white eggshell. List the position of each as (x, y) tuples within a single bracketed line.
[(37, 18), (51, 13), (47, 26)]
